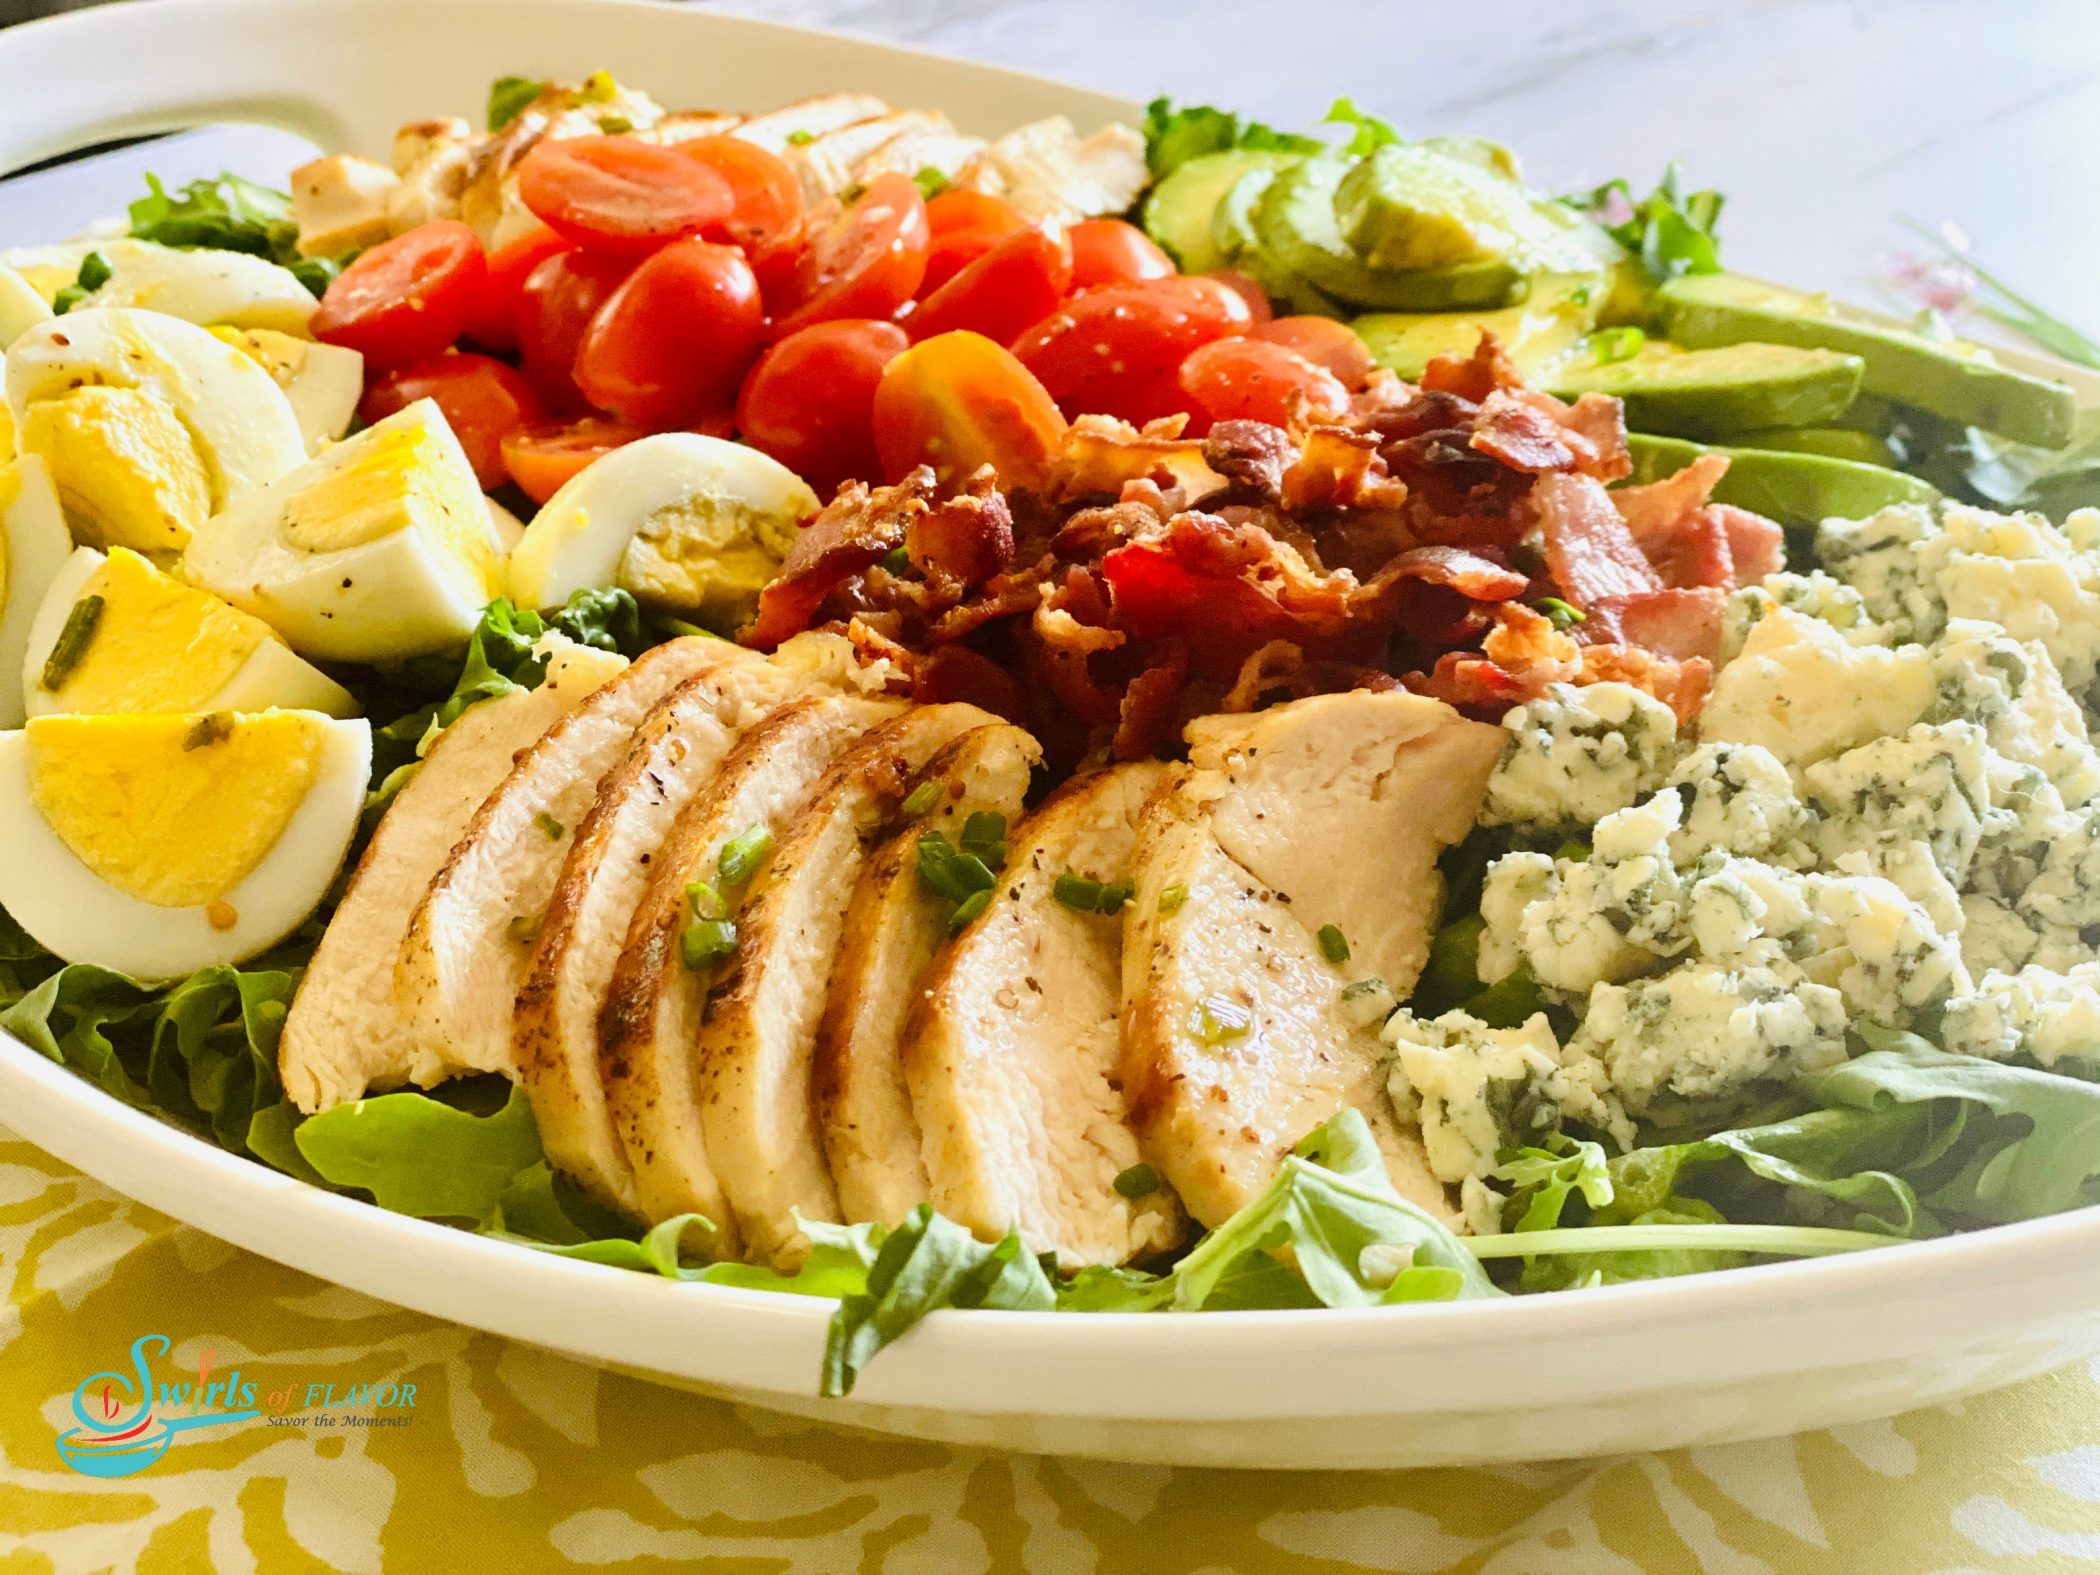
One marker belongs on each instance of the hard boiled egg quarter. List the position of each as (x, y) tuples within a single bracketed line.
[(692, 525), (205, 286), (149, 424), (116, 635), (21, 308), (158, 845), (33, 548), (322, 382), (380, 548)]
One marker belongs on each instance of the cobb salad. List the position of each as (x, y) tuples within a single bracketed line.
[(1192, 717)]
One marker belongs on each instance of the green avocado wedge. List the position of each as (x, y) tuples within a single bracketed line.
[(1712, 393), (1550, 323), (1234, 240), (1179, 210), (1410, 206), (1794, 489), (1948, 378), (1862, 447), (1294, 223)]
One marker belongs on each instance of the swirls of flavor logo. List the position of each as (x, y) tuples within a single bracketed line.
[(129, 1420)]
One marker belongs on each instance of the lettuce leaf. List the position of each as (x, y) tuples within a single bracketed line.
[(1174, 136), (1670, 230), (417, 1155)]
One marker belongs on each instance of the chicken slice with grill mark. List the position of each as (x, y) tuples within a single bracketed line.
[(1329, 811), (655, 1004), (893, 929), (470, 940), (673, 758), (346, 1033), (762, 1015), (1011, 1050)]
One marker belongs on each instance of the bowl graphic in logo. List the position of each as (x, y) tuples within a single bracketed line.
[(127, 1436)]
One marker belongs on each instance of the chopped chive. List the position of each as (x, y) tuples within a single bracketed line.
[(801, 139), (1115, 894), (1334, 945), (95, 272), (214, 727), (72, 642), (706, 942), (922, 799), (66, 299), (1611, 345), (615, 125), (896, 560), (1215, 1020), (1172, 898), (549, 826), (931, 182), (1139, 1181), (984, 837), (742, 855), (704, 902), (524, 928), (1076, 891), (955, 875), (1564, 615), (968, 909)]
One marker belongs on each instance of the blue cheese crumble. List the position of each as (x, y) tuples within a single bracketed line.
[(1575, 754), (2047, 1015)]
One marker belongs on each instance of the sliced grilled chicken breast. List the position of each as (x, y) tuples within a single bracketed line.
[(761, 1026), (1047, 171), (827, 163), (655, 1005), (944, 149), (346, 1034), (554, 1030), (893, 929), (1325, 812), (803, 121), (468, 943), (1010, 1051)]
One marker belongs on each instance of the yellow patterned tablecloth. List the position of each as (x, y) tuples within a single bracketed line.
[(515, 1460)]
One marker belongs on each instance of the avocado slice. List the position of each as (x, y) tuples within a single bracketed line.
[(1479, 152), (1560, 309), (1794, 489), (1178, 212), (1234, 240), (1294, 223), (1949, 378), (1711, 393), (1411, 206), (1865, 448)]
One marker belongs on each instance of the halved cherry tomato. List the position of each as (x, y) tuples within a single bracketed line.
[(1247, 288), (407, 297), (864, 261), (1114, 351), (959, 401), (620, 195), (484, 401), (1108, 251), (1324, 342), (810, 401), (674, 340), (561, 297), (1010, 287), (540, 459), (1254, 380), (965, 225), (494, 320), (766, 189)]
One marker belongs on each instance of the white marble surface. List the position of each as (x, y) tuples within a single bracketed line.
[(1821, 120)]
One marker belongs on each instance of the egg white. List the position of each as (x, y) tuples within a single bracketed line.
[(243, 425), (35, 541), (200, 285), (273, 677), (69, 910), (580, 535), (21, 308)]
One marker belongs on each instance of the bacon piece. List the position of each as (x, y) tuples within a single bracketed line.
[(1474, 684), (1524, 642), (1473, 377), (1677, 623), (963, 540), (1679, 685), (1252, 456), (1151, 708), (1057, 627), (1455, 494), (1472, 576), (1601, 420), (1006, 597), (1523, 434), (1589, 551), (1341, 470), (1756, 545), (1425, 410), (855, 530), (1657, 505), (1100, 454), (1691, 551), (957, 673), (1271, 667)]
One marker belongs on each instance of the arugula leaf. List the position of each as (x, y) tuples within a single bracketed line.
[(1670, 230), (508, 96), (606, 617), (227, 213), (417, 1155), (1174, 136), (840, 1258), (1548, 1175), (927, 1263), (658, 1251)]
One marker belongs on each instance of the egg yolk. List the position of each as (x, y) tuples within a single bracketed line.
[(127, 470), (175, 811), (282, 356), (384, 481), (10, 489), (159, 645), (705, 557)]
